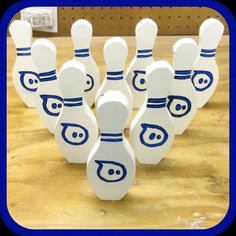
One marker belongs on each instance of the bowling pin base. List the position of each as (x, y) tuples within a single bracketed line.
[(110, 198)]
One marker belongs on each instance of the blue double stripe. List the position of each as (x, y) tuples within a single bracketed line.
[(182, 74), (73, 102), (156, 102), (144, 53), (23, 51), (115, 75), (208, 52), (47, 76), (82, 52), (111, 137)]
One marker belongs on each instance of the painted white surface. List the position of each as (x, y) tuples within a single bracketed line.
[(152, 131), (76, 128), (145, 33), (111, 163)]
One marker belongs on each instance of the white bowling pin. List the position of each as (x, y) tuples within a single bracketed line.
[(111, 162), (145, 32), (182, 101), (24, 73), (205, 72), (48, 98), (76, 128), (115, 54), (152, 131), (81, 33)]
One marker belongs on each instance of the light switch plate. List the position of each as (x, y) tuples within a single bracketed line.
[(41, 18)]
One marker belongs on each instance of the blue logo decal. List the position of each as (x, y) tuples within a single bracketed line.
[(74, 134), (111, 171), (89, 83), (153, 135), (202, 80), (29, 80), (52, 104), (138, 80), (178, 106)]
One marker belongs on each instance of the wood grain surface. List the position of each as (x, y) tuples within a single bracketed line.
[(188, 189)]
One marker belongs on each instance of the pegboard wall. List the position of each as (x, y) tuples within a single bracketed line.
[(121, 21)]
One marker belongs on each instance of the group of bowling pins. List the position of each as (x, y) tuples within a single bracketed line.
[(167, 97)]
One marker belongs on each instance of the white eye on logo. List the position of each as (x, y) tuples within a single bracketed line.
[(52, 104), (111, 171), (138, 80), (178, 106), (89, 83), (202, 80), (29, 80), (74, 134), (152, 135)]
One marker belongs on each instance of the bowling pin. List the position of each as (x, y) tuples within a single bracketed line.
[(81, 33), (182, 101), (151, 130), (145, 32), (205, 74), (76, 128), (48, 97), (111, 162), (24, 73), (115, 54)]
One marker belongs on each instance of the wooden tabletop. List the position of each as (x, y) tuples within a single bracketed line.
[(189, 188)]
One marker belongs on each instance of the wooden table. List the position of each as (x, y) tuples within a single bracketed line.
[(188, 189)]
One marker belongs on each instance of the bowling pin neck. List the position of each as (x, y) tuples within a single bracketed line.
[(82, 53), (73, 102), (144, 53), (156, 102), (207, 52), (47, 76), (115, 75), (182, 74), (24, 51), (111, 137)]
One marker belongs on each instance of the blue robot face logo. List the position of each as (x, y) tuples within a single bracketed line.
[(111, 171), (89, 83), (178, 106), (29, 80), (74, 134), (202, 80), (52, 104), (138, 80), (153, 135)]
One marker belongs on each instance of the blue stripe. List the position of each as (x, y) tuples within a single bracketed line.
[(182, 76), (82, 55), (112, 135), (47, 78), (144, 56), (82, 50), (73, 99), (112, 140), (115, 78), (23, 49), (208, 50), (156, 100), (115, 72), (156, 106), (207, 55), (183, 72), (144, 51), (23, 54), (53, 72), (73, 104)]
